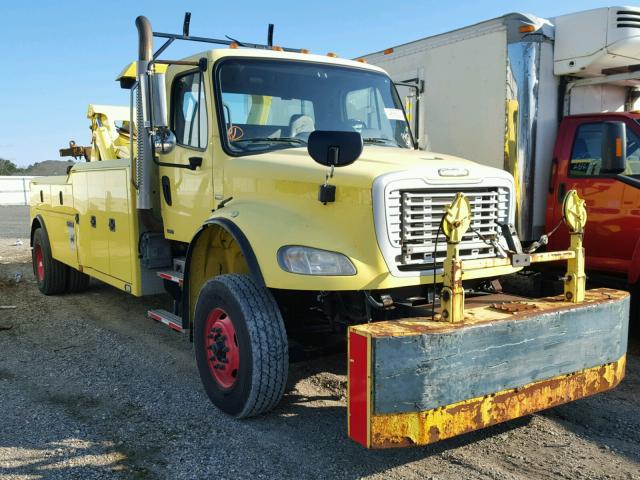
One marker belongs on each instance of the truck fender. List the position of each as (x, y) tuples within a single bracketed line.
[(634, 268), (198, 267), (38, 222)]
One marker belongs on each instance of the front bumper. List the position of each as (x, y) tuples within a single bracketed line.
[(416, 381)]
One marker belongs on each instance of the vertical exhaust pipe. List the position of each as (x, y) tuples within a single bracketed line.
[(144, 157)]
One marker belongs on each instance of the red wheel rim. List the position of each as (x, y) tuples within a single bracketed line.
[(221, 348), (39, 263)]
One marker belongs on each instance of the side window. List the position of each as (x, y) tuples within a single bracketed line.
[(189, 111), (633, 154), (586, 156)]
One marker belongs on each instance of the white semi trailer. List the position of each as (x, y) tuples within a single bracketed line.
[(495, 92)]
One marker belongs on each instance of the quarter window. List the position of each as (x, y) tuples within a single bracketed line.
[(190, 111)]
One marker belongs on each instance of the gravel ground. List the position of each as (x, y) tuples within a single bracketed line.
[(89, 388)]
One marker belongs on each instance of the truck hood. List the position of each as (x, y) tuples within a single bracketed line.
[(296, 165)]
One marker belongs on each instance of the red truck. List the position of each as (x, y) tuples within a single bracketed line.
[(537, 97), (612, 235)]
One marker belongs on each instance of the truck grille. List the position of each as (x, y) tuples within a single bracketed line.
[(628, 19), (413, 217)]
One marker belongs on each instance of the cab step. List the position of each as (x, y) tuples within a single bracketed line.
[(174, 322), (172, 275)]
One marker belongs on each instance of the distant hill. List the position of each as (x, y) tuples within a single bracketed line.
[(46, 168)]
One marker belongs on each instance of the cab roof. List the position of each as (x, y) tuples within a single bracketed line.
[(213, 55)]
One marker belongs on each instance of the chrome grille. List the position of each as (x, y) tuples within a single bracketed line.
[(413, 217)]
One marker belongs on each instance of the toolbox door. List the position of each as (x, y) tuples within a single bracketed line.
[(93, 226), (117, 224)]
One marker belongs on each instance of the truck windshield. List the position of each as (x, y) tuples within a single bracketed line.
[(275, 104)]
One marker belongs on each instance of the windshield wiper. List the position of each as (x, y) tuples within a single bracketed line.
[(271, 140), (379, 141)]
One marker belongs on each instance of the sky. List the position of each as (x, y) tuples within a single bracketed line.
[(59, 56)]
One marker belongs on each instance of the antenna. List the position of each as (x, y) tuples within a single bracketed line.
[(270, 36), (185, 24)]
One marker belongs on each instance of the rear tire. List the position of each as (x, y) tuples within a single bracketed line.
[(240, 345), (77, 281), (51, 274)]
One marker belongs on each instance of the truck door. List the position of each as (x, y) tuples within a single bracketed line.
[(186, 184), (579, 158)]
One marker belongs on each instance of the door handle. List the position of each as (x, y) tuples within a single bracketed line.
[(562, 190), (112, 225), (166, 190), (93, 221)]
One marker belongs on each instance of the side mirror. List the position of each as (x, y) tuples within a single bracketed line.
[(614, 147), (334, 149), (158, 100), (164, 141)]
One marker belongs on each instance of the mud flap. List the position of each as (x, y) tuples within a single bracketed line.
[(416, 381)]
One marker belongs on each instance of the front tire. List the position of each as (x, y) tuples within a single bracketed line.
[(51, 274), (240, 345)]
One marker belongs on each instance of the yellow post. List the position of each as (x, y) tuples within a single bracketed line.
[(575, 217), (456, 221), (452, 295)]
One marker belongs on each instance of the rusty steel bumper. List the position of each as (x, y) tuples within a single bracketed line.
[(418, 381)]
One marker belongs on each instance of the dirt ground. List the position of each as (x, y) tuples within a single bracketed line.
[(90, 388)]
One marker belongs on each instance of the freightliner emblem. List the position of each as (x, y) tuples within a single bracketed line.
[(453, 172)]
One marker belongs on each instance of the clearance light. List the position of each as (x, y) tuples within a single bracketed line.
[(388, 51), (527, 28), (233, 45), (304, 50), (332, 55), (361, 60), (277, 48)]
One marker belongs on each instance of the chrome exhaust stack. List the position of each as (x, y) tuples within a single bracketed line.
[(144, 157)]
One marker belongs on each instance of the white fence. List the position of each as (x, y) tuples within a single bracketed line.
[(14, 190)]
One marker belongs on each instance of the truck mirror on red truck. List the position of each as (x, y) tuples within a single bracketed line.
[(614, 147)]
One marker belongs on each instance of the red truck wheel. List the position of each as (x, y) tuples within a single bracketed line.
[(51, 275), (240, 345)]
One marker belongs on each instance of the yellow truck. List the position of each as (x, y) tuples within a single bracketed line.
[(263, 187)]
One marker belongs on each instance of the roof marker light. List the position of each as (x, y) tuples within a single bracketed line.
[(388, 51), (304, 50), (527, 28), (233, 45), (332, 55), (277, 48), (361, 60)]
